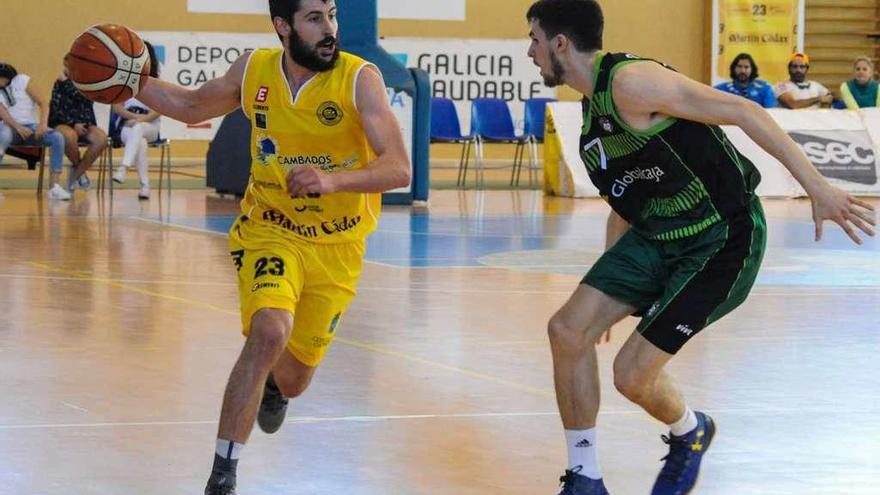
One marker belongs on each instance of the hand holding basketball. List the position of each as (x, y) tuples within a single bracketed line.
[(108, 63)]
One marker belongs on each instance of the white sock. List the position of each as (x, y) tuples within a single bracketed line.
[(582, 452), (686, 424), (228, 449)]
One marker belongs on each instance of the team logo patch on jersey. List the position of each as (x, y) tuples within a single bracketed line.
[(329, 113), (606, 124), (267, 148), (335, 322), (261, 121), (262, 94)]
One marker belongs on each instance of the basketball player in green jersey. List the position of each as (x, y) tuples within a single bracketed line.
[(694, 230)]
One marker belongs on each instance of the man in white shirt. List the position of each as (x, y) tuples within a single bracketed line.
[(24, 124), (798, 92)]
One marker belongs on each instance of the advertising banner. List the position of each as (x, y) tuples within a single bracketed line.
[(769, 30), (448, 10), (464, 69)]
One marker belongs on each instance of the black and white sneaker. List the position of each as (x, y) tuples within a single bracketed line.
[(273, 408), (220, 484)]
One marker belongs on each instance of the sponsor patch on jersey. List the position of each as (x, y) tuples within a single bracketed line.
[(262, 94), (261, 121), (329, 113)]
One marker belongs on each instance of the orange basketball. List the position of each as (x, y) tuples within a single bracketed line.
[(108, 63)]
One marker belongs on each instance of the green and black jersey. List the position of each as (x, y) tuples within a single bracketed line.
[(669, 182)]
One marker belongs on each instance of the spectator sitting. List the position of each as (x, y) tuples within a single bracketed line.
[(744, 82), (19, 99), (861, 90), (798, 92), (140, 126), (72, 115)]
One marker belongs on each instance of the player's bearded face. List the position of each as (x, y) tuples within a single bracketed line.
[(319, 58), (554, 78)]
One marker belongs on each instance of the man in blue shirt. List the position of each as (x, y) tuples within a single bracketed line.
[(744, 82)]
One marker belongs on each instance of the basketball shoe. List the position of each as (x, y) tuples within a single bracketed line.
[(679, 474), (576, 484), (273, 408)]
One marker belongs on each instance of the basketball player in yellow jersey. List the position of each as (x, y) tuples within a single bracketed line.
[(325, 145)]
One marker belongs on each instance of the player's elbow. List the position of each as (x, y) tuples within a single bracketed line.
[(403, 173), (751, 107), (741, 111)]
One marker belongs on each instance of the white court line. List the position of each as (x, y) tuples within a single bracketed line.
[(408, 417), (177, 226), (74, 407)]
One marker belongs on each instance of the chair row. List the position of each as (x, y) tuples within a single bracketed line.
[(491, 122), (105, 163)]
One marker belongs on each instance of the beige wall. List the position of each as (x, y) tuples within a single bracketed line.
[(37, 33), (675, 35)]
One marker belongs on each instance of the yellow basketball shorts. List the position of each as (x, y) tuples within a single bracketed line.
[(313, 282)]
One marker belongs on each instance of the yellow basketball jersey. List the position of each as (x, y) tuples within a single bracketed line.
[(318, 127)]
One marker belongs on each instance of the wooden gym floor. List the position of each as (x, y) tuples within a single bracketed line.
[(120, 326)]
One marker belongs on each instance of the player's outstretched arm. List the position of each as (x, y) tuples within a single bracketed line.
[(390, 169), (214, 98), (648, 88)]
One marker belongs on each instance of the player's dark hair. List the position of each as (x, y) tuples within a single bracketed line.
[(284, 9), (744, 56), (581, 21)]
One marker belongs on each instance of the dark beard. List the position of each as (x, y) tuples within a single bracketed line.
[(743, 79), (554, 79), (798, 78), (308, 57)]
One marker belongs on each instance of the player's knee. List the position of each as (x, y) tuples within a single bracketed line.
[(268, 336), (266, 344), (629, 382), (565, 337)]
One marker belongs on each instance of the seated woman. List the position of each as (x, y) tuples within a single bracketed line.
[(25, 115), (140, 126), (72, 115), (861, 90)]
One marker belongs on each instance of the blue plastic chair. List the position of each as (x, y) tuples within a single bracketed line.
[(114, 137), (446, 128), (535, 116), (536, 113), (491, 122)]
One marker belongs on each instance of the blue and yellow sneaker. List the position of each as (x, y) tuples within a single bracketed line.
[(679, 474), (576, 484)]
